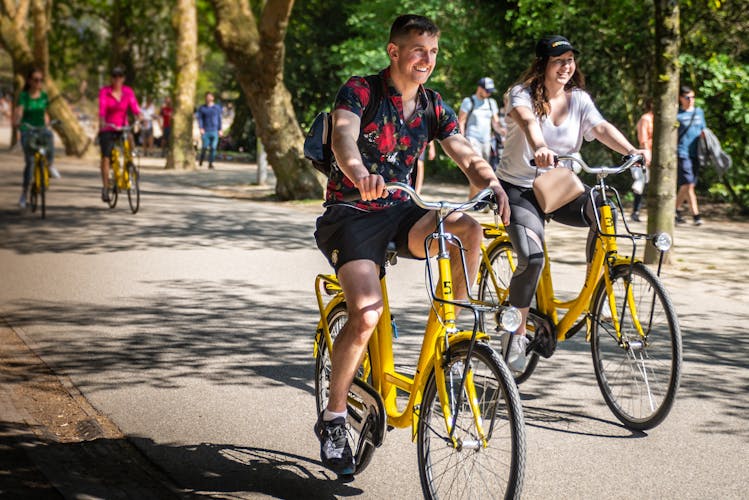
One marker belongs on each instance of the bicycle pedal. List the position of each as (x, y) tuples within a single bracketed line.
[(345, 478)]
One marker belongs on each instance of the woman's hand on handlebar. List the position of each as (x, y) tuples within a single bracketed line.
[(645, 154), (371, 187), (545, 157)]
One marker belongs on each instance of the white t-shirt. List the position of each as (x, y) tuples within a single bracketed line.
[(479, 123), (565, 139)]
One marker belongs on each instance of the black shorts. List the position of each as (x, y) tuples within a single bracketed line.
[(107, 138), (345, 233)]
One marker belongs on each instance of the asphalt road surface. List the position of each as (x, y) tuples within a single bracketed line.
[(188, 328)]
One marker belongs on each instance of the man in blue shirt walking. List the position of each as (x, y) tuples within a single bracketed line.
[(691, 124), (209, 121)]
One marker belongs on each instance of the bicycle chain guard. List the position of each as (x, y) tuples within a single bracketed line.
[(367, 417), (544, 340)]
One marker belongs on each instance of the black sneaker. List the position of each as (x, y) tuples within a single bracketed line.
[(104, 195), (697, 220), (635, 217), (679, 218), (335, 451)]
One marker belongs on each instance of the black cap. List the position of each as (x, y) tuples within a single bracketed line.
[(554, 45), (118, 71)]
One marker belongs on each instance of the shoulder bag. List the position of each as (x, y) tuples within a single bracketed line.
[(556, 187)]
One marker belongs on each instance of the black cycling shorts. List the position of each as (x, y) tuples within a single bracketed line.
[(345, 233), (107, 138)]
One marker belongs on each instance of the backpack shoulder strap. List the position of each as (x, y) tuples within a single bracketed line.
[(375, 96), (431, 114)]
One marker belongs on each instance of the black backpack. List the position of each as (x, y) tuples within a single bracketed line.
[(317, 143)]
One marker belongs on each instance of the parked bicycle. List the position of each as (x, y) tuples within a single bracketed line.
[(630, 321), (39, 143), (462, 403), (124, 174)]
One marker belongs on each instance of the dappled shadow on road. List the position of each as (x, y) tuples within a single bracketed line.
[(227, 337), (224, 469), (38, 467), (199, 219)]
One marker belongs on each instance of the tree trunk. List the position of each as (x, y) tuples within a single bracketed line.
[(181, 152), (40, 17), (12, 38), (257, 52), (662, 187)]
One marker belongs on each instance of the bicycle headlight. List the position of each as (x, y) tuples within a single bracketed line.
[(509, 318), (662, 242)]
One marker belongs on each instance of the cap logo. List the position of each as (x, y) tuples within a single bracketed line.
[(560, 42)]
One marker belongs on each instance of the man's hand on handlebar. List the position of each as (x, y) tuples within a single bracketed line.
[(371, 187), (503, 203)]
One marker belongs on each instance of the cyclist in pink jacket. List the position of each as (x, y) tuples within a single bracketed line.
[(115, 101)]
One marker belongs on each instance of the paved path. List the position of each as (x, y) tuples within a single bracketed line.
[(185, 331)]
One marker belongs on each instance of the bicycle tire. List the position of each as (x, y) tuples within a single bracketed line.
[(638, 381), (336, 319), (43, 179), (133, 187), (114, 163), (499, 258), (445, 470)]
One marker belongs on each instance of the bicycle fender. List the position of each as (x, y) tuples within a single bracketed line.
[(454, 339)]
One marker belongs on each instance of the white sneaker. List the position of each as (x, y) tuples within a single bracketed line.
[(54, 173), (22, 201), (517, 358)]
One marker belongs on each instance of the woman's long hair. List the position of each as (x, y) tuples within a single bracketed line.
[(533, 80), (29, 76)]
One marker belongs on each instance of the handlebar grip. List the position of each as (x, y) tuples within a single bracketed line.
[(556, 159)]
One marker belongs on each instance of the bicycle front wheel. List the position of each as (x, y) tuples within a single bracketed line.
[(494, 287), (637, 374), (133, 187), (471, 469), (115, 169)]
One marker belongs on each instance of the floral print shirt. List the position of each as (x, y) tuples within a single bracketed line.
[(389, 145)]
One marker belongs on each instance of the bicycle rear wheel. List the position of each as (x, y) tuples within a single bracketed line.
[(503, 261), (133, 187), (336, 319), (471, 470), (638, 376)]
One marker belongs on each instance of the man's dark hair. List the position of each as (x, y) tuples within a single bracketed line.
[(685, 89), (408, 23)]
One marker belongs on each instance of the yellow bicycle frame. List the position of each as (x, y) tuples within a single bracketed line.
[(121, 175), (41, 161), (605, 252), (380, 362)]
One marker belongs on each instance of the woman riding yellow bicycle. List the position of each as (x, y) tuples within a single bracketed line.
[(548, 114), (31, 110)]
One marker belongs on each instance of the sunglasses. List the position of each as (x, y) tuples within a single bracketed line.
[(37, 79), (689, 97)]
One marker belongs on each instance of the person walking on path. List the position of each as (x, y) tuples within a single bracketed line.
[(479, 119), (166, 124), (549, 114), (691, 124), (148, 112), (209, 121), (645, 139), (353, 236), (31, 110), (115, 101)]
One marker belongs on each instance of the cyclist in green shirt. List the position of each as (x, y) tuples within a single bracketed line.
[(31, 109)]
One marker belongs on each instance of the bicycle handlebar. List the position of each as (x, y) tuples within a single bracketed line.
[(482, 197), (629, 162), (39, 128), (119, 128)]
